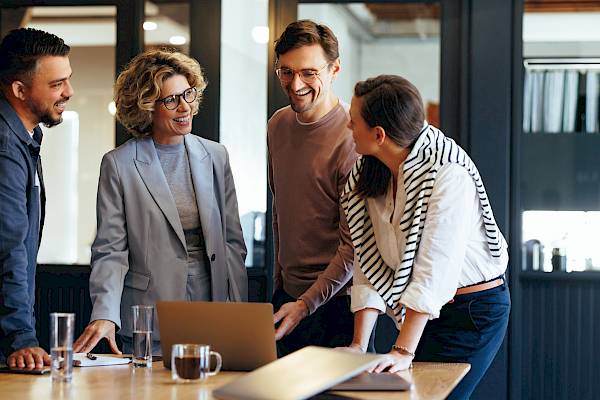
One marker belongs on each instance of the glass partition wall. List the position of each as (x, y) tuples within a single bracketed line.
[(560, 169), (72, 151), (243, 115), (385, 38)]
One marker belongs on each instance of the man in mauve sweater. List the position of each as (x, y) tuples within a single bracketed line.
[(311, 153)]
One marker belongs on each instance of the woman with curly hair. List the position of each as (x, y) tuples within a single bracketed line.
[(168, 222)]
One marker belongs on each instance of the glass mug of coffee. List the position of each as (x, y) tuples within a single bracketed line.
[(191, 362)]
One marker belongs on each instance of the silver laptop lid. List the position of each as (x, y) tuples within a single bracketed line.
[(243, 333), (297, 376)]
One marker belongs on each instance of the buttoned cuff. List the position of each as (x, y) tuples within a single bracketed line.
[(364, 296)]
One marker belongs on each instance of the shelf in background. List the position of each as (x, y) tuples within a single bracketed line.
[(560, 171), (560, 276)]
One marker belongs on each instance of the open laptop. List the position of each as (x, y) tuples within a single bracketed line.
[(243, 333), (297, 376)]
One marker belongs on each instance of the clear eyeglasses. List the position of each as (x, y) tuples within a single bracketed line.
[(172, 102), (286, 75)]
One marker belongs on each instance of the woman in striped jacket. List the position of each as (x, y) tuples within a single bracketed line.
[(427, 248)]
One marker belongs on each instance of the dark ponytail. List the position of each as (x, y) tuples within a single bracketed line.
[(393, 103)]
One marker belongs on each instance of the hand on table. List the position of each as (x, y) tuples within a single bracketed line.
[(393, 362), (290, 314), (28, 358), (93, 333)]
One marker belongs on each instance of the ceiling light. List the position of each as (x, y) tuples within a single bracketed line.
[(177, 40), (150, 26), (260, 34)]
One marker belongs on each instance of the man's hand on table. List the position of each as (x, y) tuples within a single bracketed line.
[(28, 358), (290, 314)]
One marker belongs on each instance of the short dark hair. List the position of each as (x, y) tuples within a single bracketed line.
[(21, 49), (395, 104), (306, 33)]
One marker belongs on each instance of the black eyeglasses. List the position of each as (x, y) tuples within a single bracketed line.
[(172, 102)]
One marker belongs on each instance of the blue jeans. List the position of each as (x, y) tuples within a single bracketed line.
[(470, 330)]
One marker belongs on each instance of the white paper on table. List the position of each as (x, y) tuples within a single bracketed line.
[(81, 360)]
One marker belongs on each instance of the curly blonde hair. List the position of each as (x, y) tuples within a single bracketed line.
[(138, 86)]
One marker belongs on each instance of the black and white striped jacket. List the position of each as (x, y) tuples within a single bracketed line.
[(431, 151)]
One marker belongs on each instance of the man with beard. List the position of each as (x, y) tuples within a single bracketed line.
[(311, 153), (35, 86)]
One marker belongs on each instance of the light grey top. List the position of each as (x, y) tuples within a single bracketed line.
[(175, 164)]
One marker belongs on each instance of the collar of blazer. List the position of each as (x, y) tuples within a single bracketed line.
[(201, 167)]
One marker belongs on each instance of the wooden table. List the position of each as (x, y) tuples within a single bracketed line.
[(431, 381)]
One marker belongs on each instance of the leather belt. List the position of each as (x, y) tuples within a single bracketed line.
[(479, 287)]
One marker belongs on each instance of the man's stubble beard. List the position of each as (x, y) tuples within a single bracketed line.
[(45, 116)]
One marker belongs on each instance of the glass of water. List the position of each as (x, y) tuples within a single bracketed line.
[(142, 335), (61, 345)]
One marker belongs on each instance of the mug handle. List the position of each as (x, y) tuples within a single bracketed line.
[(219, 363)]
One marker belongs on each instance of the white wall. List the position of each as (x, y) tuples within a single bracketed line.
[(92, 80), (362, 57), (244, 100), (349, 45), (417, 60), (59, 155), (243, 120)]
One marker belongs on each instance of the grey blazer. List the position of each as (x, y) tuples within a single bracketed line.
[(139, 255)]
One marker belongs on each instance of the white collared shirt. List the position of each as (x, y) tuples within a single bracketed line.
[(453, 251)]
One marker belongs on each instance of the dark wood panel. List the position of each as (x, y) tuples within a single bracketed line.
[(65, 288), (205, 46), (562, 5), (559, 322), (383, 11)]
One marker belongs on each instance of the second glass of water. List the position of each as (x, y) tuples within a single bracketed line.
[(61, 345), (142, 335)]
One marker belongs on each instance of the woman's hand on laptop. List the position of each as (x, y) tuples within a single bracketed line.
[(290, 314), (93, 333)]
